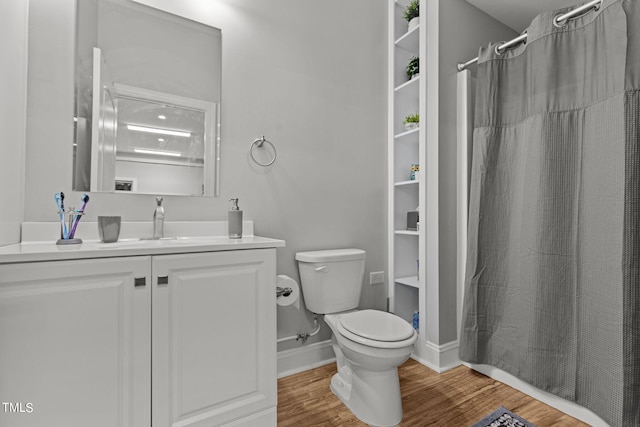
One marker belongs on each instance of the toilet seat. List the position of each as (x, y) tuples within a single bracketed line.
[(376, 328)]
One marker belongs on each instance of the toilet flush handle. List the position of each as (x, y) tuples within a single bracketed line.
[(321, 269)]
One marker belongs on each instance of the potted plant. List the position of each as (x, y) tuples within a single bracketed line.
[(412, 14), (412, 121), (413, 67)]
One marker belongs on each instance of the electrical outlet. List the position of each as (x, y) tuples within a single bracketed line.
[(376, 277)]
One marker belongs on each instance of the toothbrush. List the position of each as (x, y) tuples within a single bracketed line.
[(76, 220), (59, 198), (66, 230)]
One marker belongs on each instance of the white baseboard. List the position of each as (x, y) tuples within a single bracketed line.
[(439, 358), (304, 358), (568, 407)]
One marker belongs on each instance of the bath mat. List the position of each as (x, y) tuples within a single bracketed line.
[(502, 417)]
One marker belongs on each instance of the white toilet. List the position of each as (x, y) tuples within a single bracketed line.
[(369, 344)]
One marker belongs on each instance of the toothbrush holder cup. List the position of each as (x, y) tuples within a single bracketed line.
[(109, 228)]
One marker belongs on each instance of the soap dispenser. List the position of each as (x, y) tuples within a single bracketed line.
[(158, 219), (235, 220)]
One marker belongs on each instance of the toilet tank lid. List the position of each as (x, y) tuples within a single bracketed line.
[(331, 255)]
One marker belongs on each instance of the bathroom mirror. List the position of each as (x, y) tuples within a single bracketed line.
[(147, 101)]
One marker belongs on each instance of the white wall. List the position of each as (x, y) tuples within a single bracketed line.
[(309, 75), (13, 86)]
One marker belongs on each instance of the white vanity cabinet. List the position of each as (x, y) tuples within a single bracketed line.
[(214, 339), (183, 339), (75, 343)]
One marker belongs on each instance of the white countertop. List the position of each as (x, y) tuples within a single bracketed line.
[(49, 251)]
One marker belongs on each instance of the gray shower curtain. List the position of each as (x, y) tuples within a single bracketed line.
[(552, 291)]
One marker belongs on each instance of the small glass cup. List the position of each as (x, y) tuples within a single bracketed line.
[(109, 228)]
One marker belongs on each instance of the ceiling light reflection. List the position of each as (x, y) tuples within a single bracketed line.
[(158, 130), (157, 152)]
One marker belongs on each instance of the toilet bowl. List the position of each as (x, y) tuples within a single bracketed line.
[(369, 344), (367, 379)]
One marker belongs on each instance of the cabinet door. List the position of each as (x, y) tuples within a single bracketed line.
[(75, 343), (214, 337)]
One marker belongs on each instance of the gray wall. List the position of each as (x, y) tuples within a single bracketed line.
[(13, 86), (458, 43), (309, 75)]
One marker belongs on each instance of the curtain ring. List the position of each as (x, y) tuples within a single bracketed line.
[(497, 48), (561, 20), (259, 142), (559, 24)]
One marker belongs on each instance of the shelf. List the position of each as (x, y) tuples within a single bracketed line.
[(403, 183), (408, 85), (406, 148), (406, 134), (407, 233), (410, 41), (409, 281)]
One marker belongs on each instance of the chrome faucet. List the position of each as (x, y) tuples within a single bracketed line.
[(158, 219)]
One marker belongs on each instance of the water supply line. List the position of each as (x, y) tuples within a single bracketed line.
[(306, 335)]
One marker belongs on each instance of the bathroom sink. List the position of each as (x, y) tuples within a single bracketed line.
[(172, 241), (164, 241), (160, 238), (183, 243), (126, 243), (141, 242)]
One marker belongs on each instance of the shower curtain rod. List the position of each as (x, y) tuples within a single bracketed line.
[(558, 21)]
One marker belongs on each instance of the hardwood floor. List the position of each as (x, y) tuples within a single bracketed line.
[(459, 397)]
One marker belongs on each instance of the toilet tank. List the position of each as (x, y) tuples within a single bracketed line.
[(331, 279)]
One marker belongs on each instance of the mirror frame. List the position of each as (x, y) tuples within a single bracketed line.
[(211, 112)]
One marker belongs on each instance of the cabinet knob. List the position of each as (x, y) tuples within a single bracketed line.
[(163, 280), (139, 282)]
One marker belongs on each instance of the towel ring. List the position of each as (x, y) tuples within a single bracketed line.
[(259, 142)]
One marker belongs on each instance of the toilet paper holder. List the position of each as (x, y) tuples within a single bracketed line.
[(283, 292)]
